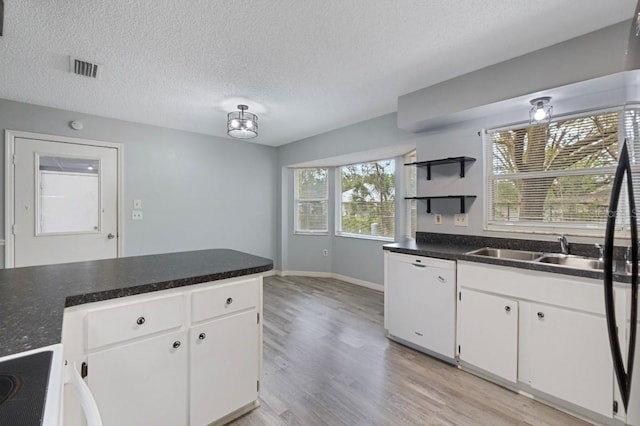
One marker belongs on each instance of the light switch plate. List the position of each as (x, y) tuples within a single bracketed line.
[(136, 215), (461, 219), (137, 204), (437, 219)]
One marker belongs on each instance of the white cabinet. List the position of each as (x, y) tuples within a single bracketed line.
[(633, 414), (420, 299), (141, 383), (558, 345), (230, 382), (187, 356), (488, 333), (570, 357)]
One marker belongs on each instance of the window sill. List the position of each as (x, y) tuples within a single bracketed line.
[(366, 237), (311, 234)]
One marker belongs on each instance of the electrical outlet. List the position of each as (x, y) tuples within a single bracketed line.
[(437, 219), (461, 219), (137, 204), (325, 252), (136, 215)]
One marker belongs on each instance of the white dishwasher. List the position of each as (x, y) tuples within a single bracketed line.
[(420, 298)]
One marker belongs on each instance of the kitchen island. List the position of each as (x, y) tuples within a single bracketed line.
[(169, 296)]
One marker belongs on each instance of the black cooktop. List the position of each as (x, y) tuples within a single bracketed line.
[(23, 389)]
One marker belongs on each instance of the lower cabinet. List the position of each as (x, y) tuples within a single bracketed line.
[(230, 382), (188, 356), (488, 333), (544, 332), (633, 414), (570, 358), (142, 383)]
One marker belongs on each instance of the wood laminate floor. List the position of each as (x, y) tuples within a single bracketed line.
[(327, 362)]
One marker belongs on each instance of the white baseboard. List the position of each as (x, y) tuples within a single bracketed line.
[(306, 274), (350, 280)]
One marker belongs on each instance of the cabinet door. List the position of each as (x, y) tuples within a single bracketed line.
[(143, 383), (488, 333), (422, 304), (224, 366), (633, 418), (570, 357)]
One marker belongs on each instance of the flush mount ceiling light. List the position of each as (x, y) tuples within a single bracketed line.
[(242, 124), (540, 110)]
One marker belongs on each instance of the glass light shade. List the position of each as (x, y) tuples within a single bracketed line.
[(242, 124), (540, 110)]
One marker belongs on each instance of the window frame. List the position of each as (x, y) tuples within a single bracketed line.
[(297, 199), (578, 229), (338, 202)]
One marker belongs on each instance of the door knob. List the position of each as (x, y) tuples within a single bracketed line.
[(111, 236)]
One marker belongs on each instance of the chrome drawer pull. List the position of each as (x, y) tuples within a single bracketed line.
[(229, 301), (140, 321)]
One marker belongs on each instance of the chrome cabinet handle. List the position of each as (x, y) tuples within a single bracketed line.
[(202, 336), (441, 279), (176, 344), (140, 320), (111, 236), (541, 315), (507, 308), (229, 301)]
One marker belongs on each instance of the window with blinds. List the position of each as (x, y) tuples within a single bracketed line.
[(558, 175), (367, 199), (311, 195), (410, 190)]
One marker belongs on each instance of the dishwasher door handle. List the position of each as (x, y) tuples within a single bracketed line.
[(417, 265)]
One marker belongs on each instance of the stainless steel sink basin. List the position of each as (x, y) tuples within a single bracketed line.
[(507, 254), (570, 261)]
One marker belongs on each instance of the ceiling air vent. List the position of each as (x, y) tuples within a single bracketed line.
[(84, 68)]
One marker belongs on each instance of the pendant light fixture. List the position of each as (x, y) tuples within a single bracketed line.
[(242, 124), (540, 112)]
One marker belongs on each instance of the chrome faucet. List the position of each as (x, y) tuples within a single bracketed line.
[(564, 244), (600, 252)]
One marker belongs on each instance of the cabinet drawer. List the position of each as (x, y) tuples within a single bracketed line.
[(119, 323), (224, 299)]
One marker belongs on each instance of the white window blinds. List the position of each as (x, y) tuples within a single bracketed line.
[(557, 175), (311, 193)]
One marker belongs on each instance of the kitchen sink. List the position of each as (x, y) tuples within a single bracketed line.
[(506, 254), (571, 261)]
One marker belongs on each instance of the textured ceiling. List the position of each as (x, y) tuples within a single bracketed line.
[(305, 67)]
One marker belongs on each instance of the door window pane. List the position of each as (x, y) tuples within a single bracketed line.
[(69, 195)]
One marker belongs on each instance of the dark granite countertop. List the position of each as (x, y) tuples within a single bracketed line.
[(451, 247), (32, 300)]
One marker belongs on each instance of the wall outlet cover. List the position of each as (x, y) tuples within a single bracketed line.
[(461, 219), (325, 252), (136, 215), (137, 204), (437, 219)]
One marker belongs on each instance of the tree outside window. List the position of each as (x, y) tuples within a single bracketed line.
[(367, 205)]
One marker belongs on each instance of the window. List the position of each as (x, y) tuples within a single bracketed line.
[(410, 190), (367, 198), (558, 175), (311, 201)]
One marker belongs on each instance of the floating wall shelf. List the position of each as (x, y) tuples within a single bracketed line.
[(462, 199), (449, 160)]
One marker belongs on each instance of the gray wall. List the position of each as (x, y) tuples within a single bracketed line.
[(351, 257), (198, 191)]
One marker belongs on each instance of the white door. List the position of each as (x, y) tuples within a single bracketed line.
[(488, 333), (224, 366), (570, 357), (65, 202), (143, 383)]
